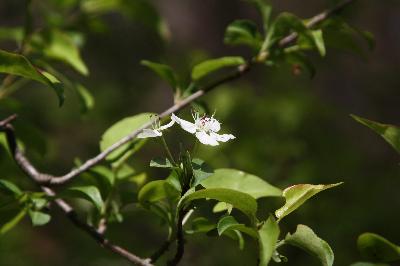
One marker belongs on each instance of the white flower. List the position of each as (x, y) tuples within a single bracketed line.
[(205, 128), (155, 131)]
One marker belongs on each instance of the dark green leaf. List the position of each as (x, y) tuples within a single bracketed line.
[(368, 264), (265, 11), (16, 64), (120, 130), (267, 238), (242, 201), (229, 223), (243, 32), (39, 218), (201, 225), (90, 193), (85, 97), (203, 69), (164, 71), (9, 188), (241, 181), (306, 239), (390, 133), (296, 195), (157, 190), (376, 248)]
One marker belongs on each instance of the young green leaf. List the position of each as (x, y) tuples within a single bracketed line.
[(241, 181), (90, 193), (243, 32), (157, 190), (376, 248), (242, 201), (9, 188), (120, 130), (306, 239), (390, 133), (39, 218), (296, 195), (229, 223), (16, 64), (268, 236), (319, 41), (165, 72), (201, 225), (13, 222), (201, 171), (161, 163), (203, 69)]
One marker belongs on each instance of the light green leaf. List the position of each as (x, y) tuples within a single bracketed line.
[(296, 195), (157, 190), (229, 223), (241, 201), (376, 248), (39, 218), (203, 69), (243, 32), (58, 45), (9, 188), (201, 225), (241, 181), (90, 193), (164, 71), (201, 171), (85, 97), (319, 41), (161, 163), (390, 133), (268, 236), (16, 64), (306, 239), (120, 130), (13, 222)]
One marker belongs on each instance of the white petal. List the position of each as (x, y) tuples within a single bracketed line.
[(149, 133), (185, 125), (214, 125), (170, 124), (223, 137), (206, 139)]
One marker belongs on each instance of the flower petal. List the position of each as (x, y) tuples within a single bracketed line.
[(223, 137), (185, 125), (170, 124), (149, 133), (206, 139), (214, 125)]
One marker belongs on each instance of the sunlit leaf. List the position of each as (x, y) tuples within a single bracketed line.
[(267, 238), (201, 225), (227, 223), (90, 193), (16, 64), (9, 188), (306, 239), (13, 222), (164, 71), (161, 163), (296, 195), (201, 171), (39, 218), (120, 130), (319, 41), (390, 133), (203, 69), (376, 248)]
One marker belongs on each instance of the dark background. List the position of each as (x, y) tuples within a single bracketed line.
[(289, 129)]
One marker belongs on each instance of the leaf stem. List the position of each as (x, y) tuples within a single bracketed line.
[(169, 154)]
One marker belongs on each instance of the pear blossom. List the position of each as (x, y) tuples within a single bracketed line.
[(204, 128), (155, 131)]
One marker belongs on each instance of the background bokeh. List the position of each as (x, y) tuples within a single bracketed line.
[(289, 129)]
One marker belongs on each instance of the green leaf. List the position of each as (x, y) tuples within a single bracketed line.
[(242, 201), (390, 133), (15, 34), (16, 64), (203, 69), (241, 181), (267, 238), (243, 32), (60, 46), (298, 59), (265, 11), (121, 129), (9, 188), (90, 193), (39, 218), (306, 239), (319, 41), (296, 195), (163, 71), (157, 190), (201, 171), (161, 163), (368, 264), (376, 248), (85, 97), (201, 225), (13, 222), (229, 223)]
